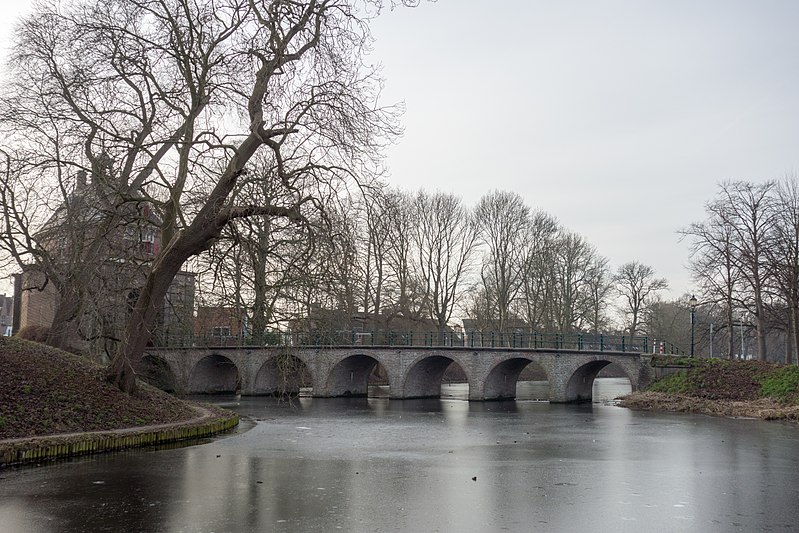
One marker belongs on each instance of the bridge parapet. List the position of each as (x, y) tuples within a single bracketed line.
[(524, 340)]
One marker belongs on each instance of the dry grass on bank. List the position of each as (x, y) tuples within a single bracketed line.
[(763, 408), (44, 391)]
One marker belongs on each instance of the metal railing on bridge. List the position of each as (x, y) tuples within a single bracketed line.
[(496, 340)]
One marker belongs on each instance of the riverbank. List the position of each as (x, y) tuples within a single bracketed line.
[(54, 404), (751, 389)]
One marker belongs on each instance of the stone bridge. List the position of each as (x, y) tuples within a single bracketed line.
[(411, 372)]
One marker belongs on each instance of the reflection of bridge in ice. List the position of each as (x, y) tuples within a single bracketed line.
[(411, 371)]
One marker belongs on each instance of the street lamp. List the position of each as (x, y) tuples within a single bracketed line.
[(692, 302)]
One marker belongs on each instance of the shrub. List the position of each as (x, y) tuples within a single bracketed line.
[(34, 333)]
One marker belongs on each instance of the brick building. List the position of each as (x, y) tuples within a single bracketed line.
[(219, 326), (103, 254)]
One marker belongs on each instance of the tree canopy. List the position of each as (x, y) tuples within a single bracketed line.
[(166, 103)]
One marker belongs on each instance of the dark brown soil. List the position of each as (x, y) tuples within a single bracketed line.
[(44, 391), (731, 381)]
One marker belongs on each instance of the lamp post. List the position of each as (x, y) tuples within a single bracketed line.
[(692, 302)]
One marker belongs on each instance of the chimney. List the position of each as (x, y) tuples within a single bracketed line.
[(81, 180)]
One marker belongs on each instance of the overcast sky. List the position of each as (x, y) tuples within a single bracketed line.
[(618, 117)]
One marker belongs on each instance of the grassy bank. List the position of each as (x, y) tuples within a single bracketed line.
[(725, 388), (46, 392)]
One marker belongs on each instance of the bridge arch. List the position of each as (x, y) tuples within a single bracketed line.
[(282, 375), (423, 378), (157, 372), (579, 387), (502, 379), (410, 372), (350, 376), (214, 374)]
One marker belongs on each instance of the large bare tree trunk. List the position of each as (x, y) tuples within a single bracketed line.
[(260, 314), (761, 329), (197, 237), (793, 336), (731, 331), (141, 323), (63, 327)]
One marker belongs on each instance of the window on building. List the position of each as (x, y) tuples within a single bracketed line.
[(221, 331)]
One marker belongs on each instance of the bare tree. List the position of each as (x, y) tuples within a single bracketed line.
[(445, 242), (783, 255), (67, 235), (714, 266), (574, 258), (402, 219), (598, 290), (339, 262), (479, 308), (748, 210), (504, 224), (327, 277), (376, 243), (256, 259), (155, 86), (637, 285), (538, 279), (387, 261)]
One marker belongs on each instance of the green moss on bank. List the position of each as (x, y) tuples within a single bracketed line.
[(782, 384)]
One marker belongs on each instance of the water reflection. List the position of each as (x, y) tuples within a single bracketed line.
[(369, 464), (605, 390)]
